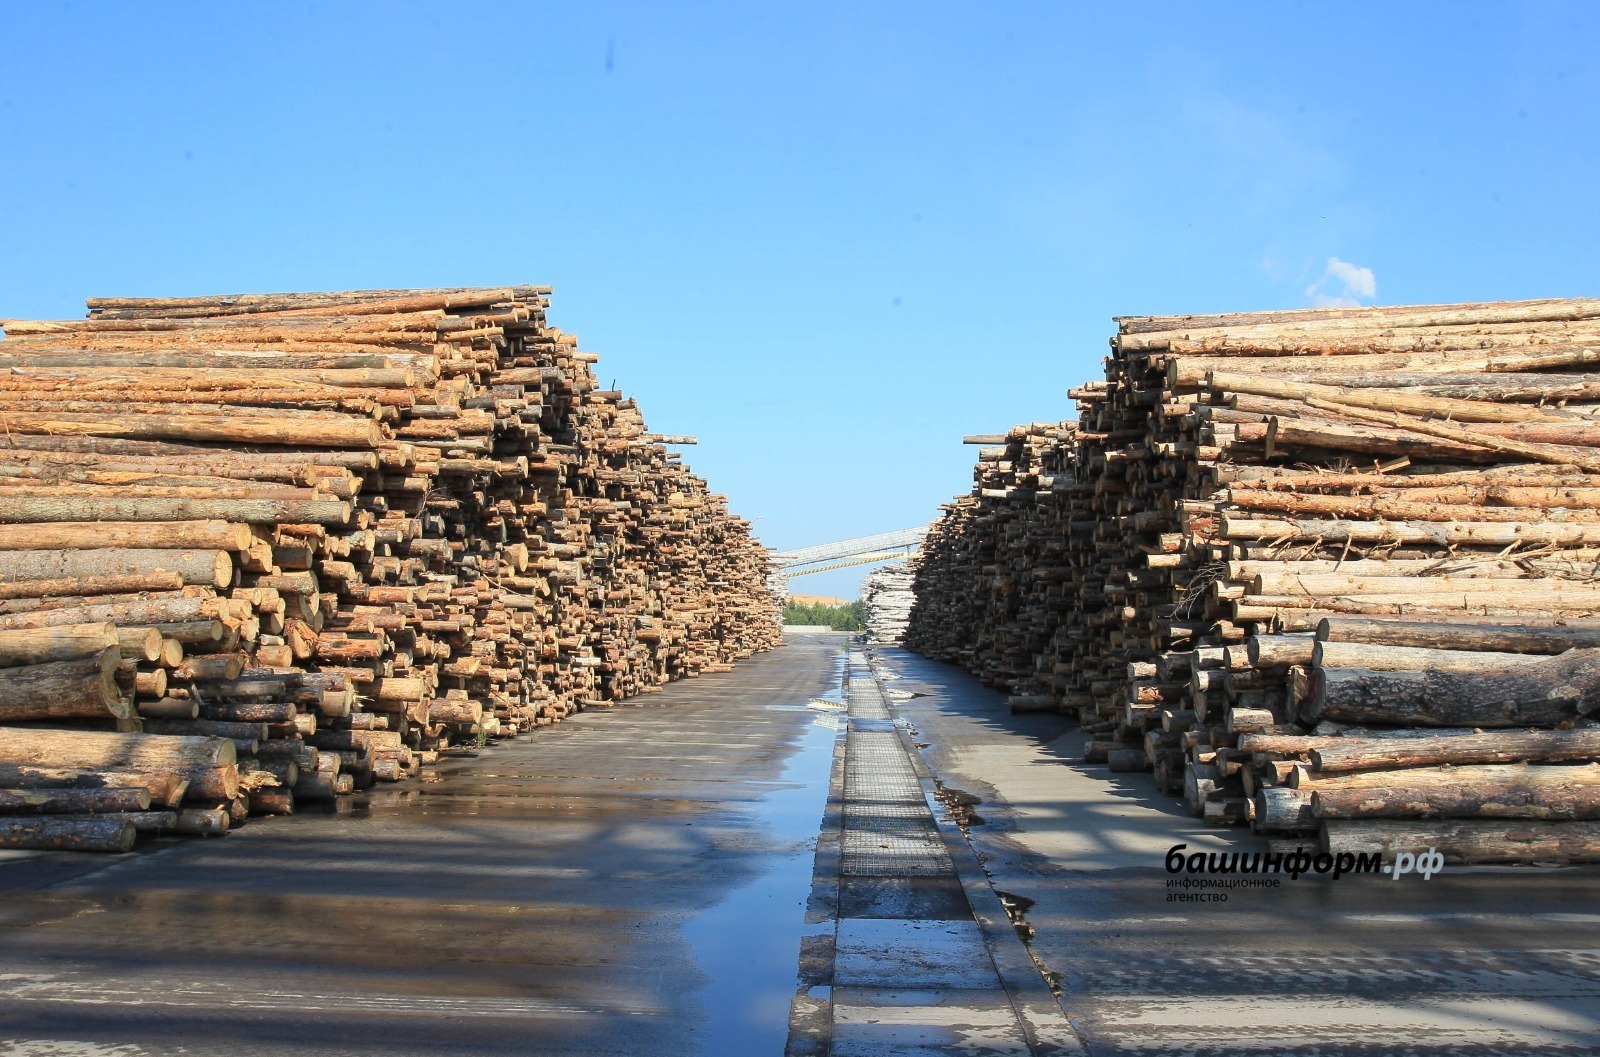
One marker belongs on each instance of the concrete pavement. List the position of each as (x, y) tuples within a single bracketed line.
[(1480, 961), (632, 881)]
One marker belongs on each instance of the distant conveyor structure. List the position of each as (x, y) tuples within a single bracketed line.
[(862, 550)]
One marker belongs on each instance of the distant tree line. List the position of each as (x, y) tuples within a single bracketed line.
[(852, 616)]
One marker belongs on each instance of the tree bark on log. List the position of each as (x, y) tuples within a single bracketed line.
[(1546, 692), (84, 688), (1508, 638), (1495, 791), (72, 801), (166, 787), (182, 535), (1469, 841), (1335, 755), (208, 568), (68, 833), (65, 643)]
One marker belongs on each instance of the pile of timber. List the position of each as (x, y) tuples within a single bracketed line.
[(887, 593), (1295, 541), (994, 575), (263, 550)]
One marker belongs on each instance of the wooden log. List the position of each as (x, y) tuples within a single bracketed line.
[(84, 688), (143, 613), (67, 642), (108, 833), (172, 535), (1413, 658), (113, 508), (1279, 810), (1545, 692), (1471, 841), (209, 568), (80, 748), (1494, 791), (69, 801), (166, 787), (169, 708), (1507, 638), (88, 586), (326, 431), (1422, 749), (1443, 534)]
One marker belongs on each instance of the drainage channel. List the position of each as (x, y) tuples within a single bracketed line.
[(746, 943), (910, 950)]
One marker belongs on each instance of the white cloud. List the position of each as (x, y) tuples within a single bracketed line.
[(1343, 285)]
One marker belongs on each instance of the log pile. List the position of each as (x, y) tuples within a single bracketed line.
[(887, 593), (1284, 531), (264, 550)]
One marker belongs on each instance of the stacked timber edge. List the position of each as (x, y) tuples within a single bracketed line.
[(1332, 573), (259, 551)]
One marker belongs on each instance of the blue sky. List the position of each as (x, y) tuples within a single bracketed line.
[(828, 239)]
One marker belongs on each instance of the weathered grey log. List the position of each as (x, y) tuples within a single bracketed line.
[(1507, 638), (1546, 692), (1471, 841), (166, 787), (109, 833)]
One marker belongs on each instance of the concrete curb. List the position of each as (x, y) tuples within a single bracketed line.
[(1050, 1031)]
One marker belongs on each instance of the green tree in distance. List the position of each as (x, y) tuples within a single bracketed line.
[(852, 616)]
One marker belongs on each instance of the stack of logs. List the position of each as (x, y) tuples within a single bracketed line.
[(264, 550), (887, 593), (1332, 572)]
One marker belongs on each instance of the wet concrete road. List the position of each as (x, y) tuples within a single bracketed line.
[(1480, 961), (632, 881)]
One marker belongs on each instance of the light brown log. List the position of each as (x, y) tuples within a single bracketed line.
[(140, 644), (329, 431), (1422, 749), (169, 708), (79, 748), (180, 535), (1440, 534), (217, 667), (142, 613), (166, 787), (72, 801), (84, 688), (1410, 403), (108, 833), (67, 642), (112, 508), (208, 568), (90, 586), (1495, 791)]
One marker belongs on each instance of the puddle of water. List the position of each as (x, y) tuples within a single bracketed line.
[(749, 944)]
